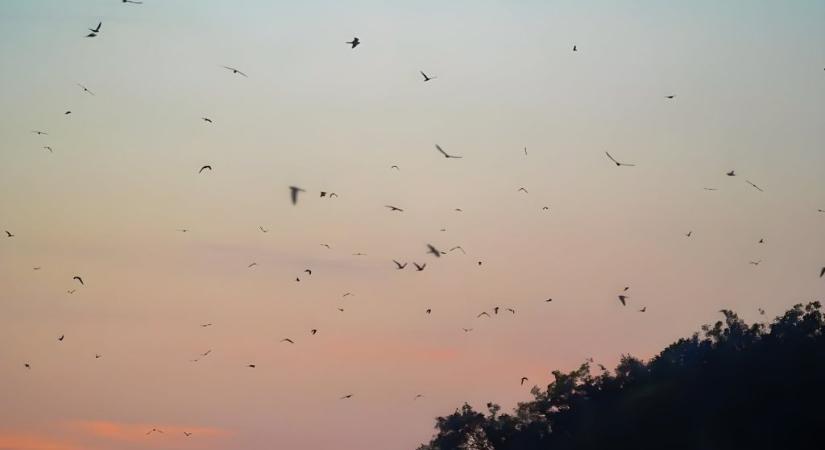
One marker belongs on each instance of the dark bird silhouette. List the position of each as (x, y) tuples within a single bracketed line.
[(670, 96), (139, 3), (154, 430), (434, 251), (27, 365), (625, 288), (313, 331), (70, 291), (325, 245), (98, 356), (426, 78), (8, 234), (755, 263), (755, 186), (205, 168), (523, 379), (395, 167), (522, 189), (732, 173), (62, 336), (467, 330), (483, 313), (346, 396), (689, 233), (308, 271), (204, 325), (458, 247), (419, 268), (36, 268), (446, 155), (545, 208), (511, 310), (79, 280), (394, 208), (86, 90), (288, 340), (40, 133), (234, 70), (95, 30), (622, 299), (479, 263), (618, 164), (354, 42), (251, 366), (67, 113), (495, 310), (187, 434), (710, 189), (399, 265), (263, 230), (293, 193), (822, 272), (206, 119), (347, 294), (458, 210), (333, 195), (428, 311), (418, 396), (761, 241), (323, 194), (251, 265), (341, 309), (548, 300), (761, 311), (183, 230), (48, 148), (644, 308)]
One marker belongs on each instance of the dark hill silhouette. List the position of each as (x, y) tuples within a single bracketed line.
[(732, 386)]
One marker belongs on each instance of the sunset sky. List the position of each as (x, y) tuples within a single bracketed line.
[(123, 177)]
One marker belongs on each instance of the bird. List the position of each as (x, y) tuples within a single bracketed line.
[(545, 208), (732, 173), (183, 230), (822, 272), (98, 356), (135, 3), (346, 294), (711, 189), (458, 247), (756, 263), (622, 299), (85, 89), (332, 194), (323, 193), (575, 49), (325, 245), (263, 230), (479, 263), (62, 336), (689, 233), (522, 189), (394, 208), (341, 309), (495, 310), (40, 133), (669, 96), (428, 311), (644, 308), (346, 396), (618, 164), (625, 288), (76, 277), (186, 433), (761, 241), (548, 300), (293, 193), (483, 313), (206, 119), (458, 210), (67, 113), (204, 168), (204, 325), (354, 42), (252, 265), (511, 310), (313, 331), (27, 365), (70, 291), (395, 167), (418, 396), (467, 330), (235, 71), (95, 30), (523, 379), (761, 311), (757, 187), (419, 268), (251, 366), (288, 340), (426, 78), (446, 155), (36, 268), (308, 271), (46, 147), (400, 266), (8, 234), (154, 430), (433, 250)]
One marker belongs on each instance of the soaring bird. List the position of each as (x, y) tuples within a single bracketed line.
[(263, 230), (511, 310), (711, 189), (495, 310), (313, 331), (426, 78), (418, 396), (761, 241), (545, 208), (428, 311), (27, 365), (62, 336), (206, 119), (523, 379), (98, 356), (670, 96), (186, 433), (95, 30), (395, 167), (325, 245), (756, 263), (689, 233), (446, 155), (354, 42), (79, 280), (46, 147), (419, 267), (8, 234), (183, 230), (822, 272), (575, 49), (293, 193), (548, 300), (288, 340), (40, 133), (761, 311), (67, 113), (253, 264), (434, 251), (204, 325), (399, 265), (467, 330), (458, 247), (234, 70), (346, 396), (523, 189), (346, 294), (71, 291), (757, 187), (618, 164), (622, 299), (732, 173), (308, 271), (644, 308), (205, 167), (251, 366), (154, 430), (86, 90), (625, 288), (483, 313), (394, 208), (138, 3)]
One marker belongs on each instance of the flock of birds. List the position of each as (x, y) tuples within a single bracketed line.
[(431, 251)]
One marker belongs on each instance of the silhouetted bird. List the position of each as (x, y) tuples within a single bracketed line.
[(761, 311), (187, 434), (346, 396), (206, 119), (206, 325), (483, 313), (428, 311), (644, 308), (617, 162), (8, 234), (521, 189), (756, 263), (98, 356), (575, 49), (467, 330), (139, 3), (354, 42), (419, 268), (205, 168), (511, 310), (670, 96), (434, 251), (757, 187), (523, 379), (79, 280), (26, 365), (95, 30), (48, 148), (313, 331), (710, 189), (418, 396), (85, 89), (293, 193), (288, 340), (548, 300), (154, 430), (399, 265), (446, 155), (234, 70), (689, 233), (822, 272), (426, 78), (40, 133), (251, 366), (394, 208), (395, 167), (622, 299), (732, 173), (458, 247), (252, 265), (263, 230), (67, 113), (70, 291), (761, 241)]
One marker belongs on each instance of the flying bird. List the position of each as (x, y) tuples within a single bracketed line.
[(458, 247), (206, 325), (204, 168), (511, 310), (418, 396), (263, 230), (308, 271), (183, 230), (689, 233), (622, 299), (8, 234), (669, 96), (325, 245), (394, 167), (548, 300), (354, 42), (26, 365), (483, 313), (522, 189), (426, 78), (288, 340), (98, 356), (822, 272), (40, 133), (293, 193), (575, 49), (446, 155), (154, 430), (251, 366), (187, 434), (79, 280), (313, 331), (761, 241), (618, 164), (467, 330), (48, 148), (545, 208), (433, 250), (67, 113), (394, 208), (732, 173), (644, 308), (234, 70), (206, 119), (252, 265), (71, 291), (95, 30), (346, 396), (711, 189), (139, 3), (347, 294), (757, 187), (399, 265), (428, 311), (523, 379), (62, 336), (419, 268), (85, 89), (756, 263), (761, 311)]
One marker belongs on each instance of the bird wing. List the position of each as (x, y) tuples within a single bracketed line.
[(438, 147), (611, 158)]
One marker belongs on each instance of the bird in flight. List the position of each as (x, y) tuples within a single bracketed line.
[(40, 133), (822, 272), (399, 265), (757, 187), (426, 78), (62, 336), (761, 241), (689, 233), (761, 311), (545, 208), (670, 96), (186, 433), (138, 3), (394, 208), (495, 310), (325, 245), (755, 263), (523, 379), (51, 150), (204, 168), (354, 42), (644, 308), (511, 310), (467, 330), (288, 340), (206, 119), (204, 325), (252, 366), (395, 167), (293, 193), (76, 277), (458, 247), (85, 89), (522, 189), (234, 70), (418, 396), (346, 294), (433, 250), (732, 173), (710, 189), (263, 230), (71, 291), (575, 49), (27, 365), (483, 313), (346, 396), (313, 331), (154, 430), (446, 155), (67, 113), (94, 30), (419, 268), (548, 300), (623, 298), (253, 264), (428, 311), (183, 230), (618, 164), (98, 356), (8, 234), (308, 271)]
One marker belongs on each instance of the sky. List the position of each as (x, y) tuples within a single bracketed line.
[(123, 178)]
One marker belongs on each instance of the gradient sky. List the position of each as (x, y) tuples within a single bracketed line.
[(750, 95)]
